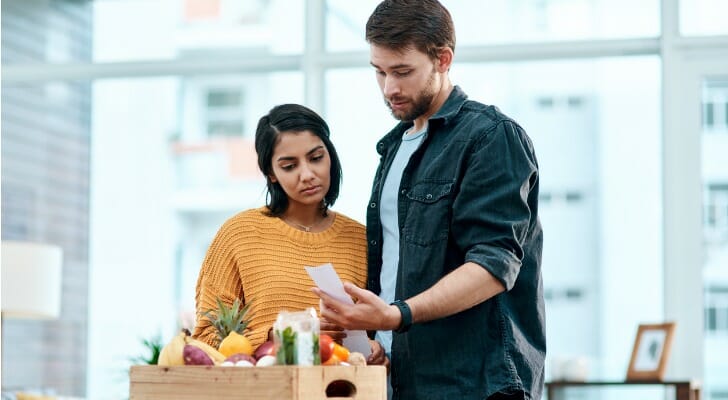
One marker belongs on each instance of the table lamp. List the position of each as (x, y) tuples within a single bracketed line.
[(31, 280)]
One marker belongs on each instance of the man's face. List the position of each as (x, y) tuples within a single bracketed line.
[(408, 80)]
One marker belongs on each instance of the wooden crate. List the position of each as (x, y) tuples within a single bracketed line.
[(277, 382)]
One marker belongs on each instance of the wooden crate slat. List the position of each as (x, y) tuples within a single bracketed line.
[(277, 382)]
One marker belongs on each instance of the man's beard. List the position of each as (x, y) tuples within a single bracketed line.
[(420, 103)]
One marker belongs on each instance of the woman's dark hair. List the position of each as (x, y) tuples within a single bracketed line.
[(292, 118), (399, 25)]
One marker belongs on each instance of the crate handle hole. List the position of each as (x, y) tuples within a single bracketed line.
[(340, 388)]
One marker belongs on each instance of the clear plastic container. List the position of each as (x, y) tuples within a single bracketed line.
[(296, 337)]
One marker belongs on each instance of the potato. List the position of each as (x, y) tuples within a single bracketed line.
[(195, 356), (357, 359)]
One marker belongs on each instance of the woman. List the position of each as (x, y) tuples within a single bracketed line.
[(260, 253)]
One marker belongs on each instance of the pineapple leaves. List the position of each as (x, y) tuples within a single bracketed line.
[(226, 319)]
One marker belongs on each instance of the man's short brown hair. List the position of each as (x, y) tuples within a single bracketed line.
[(425, 25)]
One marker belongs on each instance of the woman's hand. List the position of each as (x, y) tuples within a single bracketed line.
[(335, 331), (378, 357)]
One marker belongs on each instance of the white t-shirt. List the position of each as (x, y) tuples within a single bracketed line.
[(390, 224)]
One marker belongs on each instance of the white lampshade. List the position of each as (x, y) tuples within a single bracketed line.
[(31, 280)]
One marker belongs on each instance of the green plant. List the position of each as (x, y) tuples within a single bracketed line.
[(152, 345)]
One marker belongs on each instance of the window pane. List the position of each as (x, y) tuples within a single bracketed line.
[(587, 155), (715, 108), (508, 21), (163, 182), (224, 97), (715, 239), (703, 17), (188, 29)]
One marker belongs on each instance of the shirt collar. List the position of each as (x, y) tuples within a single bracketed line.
[(452, 105)]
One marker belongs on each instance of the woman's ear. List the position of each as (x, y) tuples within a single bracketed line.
[(272, 178)]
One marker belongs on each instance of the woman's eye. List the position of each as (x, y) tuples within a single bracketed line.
[(287, 167), (317, 158)]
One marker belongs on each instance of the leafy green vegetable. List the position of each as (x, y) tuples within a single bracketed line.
[(287, 350)]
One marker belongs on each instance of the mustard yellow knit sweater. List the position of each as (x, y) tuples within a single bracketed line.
[(254, 256)]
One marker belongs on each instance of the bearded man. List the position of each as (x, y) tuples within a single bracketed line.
[(455, 292)]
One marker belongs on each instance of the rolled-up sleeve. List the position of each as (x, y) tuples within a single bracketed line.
[(491, 213)]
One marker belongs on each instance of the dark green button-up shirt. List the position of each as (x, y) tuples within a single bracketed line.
[(469, 193)]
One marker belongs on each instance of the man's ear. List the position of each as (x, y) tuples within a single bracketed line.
[(444, 59)]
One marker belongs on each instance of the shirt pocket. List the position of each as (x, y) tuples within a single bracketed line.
[(428, 212)]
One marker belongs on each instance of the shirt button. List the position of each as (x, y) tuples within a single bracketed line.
[(373, 242), (373, 205), (428, 196), (403, 191)]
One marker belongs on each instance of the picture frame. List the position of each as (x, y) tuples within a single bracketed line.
[(650, 352)]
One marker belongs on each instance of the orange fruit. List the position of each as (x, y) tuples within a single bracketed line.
[(333, 360), (340, 352)]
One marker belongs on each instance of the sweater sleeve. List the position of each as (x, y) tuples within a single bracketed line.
[(218, 278)]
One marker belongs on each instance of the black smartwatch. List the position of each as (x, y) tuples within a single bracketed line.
[(406, 321)]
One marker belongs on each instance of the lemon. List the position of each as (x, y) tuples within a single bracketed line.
[(235, 343)]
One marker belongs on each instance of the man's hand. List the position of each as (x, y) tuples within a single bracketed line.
[(368, 313)]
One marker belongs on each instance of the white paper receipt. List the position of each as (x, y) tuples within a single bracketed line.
[(326, 278)]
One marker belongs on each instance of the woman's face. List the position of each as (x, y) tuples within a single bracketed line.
[(302, 166)]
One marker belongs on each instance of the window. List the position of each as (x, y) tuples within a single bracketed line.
[(716, 212), (703, 17), (196, 30), (511, 21), (716, 310), (224, 112), (715, 107), (715, 235)]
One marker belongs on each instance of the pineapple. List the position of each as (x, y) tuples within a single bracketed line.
[(227, 319)]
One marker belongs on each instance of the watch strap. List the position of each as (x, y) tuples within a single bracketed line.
[(406, 321)]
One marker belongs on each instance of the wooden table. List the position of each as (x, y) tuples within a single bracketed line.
[(684, 390)]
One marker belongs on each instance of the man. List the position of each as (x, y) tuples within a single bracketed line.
[(452, 227)]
